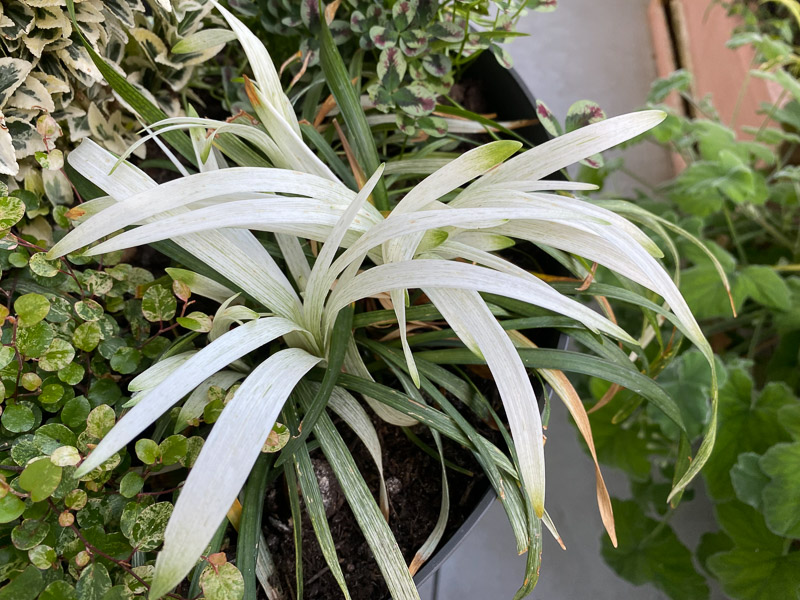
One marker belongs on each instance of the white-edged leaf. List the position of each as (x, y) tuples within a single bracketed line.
[(566, 392), (308, 217), (354, 365), (318, 283), (512, 382), (237, 255), (296, 261), (352, 413), (227, 314), (225, 462), (573, 147), (228, 348), (157, 373), (455, 275), (142, 202), (263, 68), (203, 40)]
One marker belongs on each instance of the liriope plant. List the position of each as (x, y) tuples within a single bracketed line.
[(439, 238)]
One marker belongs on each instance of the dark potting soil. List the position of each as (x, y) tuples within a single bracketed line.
[(413, 481)]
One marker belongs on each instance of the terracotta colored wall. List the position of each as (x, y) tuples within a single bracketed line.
[(702, 30)]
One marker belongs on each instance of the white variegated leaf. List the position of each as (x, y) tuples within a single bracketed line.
[(456, 275), (510, 377), (184, 379), (225, 462), (573, 147)]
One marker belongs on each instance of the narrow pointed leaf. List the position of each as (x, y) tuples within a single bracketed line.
[(222, 467), (209, 360)]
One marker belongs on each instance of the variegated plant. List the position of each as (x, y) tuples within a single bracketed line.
[(411, 48), (439, 238), (49, 86)]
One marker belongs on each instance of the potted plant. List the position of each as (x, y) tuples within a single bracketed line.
[(302, 347)]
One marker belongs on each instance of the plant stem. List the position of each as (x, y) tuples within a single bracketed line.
[(734, 235)]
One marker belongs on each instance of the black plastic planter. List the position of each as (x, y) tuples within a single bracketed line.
[(505, 92)]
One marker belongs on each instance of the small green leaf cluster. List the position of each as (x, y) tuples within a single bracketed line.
[(74, 332)]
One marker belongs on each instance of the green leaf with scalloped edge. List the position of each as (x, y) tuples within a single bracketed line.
[(649, 555), (780, 496), (748, 422)]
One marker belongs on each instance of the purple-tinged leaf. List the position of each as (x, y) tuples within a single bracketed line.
[(437, 65), (502, 55), (447, 31), (403, 13), (543, 5), (548, 119), (375, 13), (391, 68), (358, 22), (594, 162), (583, 113), (383, 37), (309, 14), (433, 126), (415, 100), (341, 32), (406, 125)]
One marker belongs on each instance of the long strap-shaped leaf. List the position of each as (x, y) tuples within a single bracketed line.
[(209, 360), (455, 275), (354, 365), (145, 201), (424, 414), (432, 541), (360, 134), (573, 147), (250, 534), (463, 169), (315, 507), (224, 463), (511, 378), (541, 358), (370, 520), (318, 283), (263, 68), (351, 412), (339, 341), (235, 254), (564, 390)]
